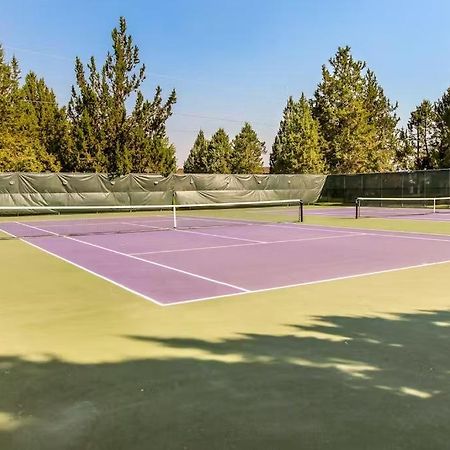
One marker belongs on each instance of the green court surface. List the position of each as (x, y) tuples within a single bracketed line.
[(360, 363)]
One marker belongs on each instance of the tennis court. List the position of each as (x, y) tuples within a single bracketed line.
[(357, 344), (209, 257)]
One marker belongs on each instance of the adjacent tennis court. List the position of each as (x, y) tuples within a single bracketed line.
[(382, 213), (209, 257)]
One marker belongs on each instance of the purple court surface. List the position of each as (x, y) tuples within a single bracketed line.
[(183, 265)]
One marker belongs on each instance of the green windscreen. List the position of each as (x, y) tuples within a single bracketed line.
[(92, 189)]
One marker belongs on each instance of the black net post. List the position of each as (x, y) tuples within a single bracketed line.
[(358, 205), (300, 212)]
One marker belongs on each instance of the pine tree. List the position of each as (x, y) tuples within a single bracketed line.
[(196, 160), (422, 132), (404, 152), (352, 112), (383, 118), (442, 110), (20, 149), (105, 137), (278, 160), (9, 87), (89, 113), (151, 151), (297, 145), (247, 151), (156, 155), (219, 153), (52, 122)]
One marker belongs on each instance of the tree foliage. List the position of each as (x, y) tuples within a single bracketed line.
[(196, 160), (422, 134), (151, 150), (247, 151), (20, 148), (404, 152), (383, 119), (107, 138), (442, 117), (297, 145), (349, 126), (218, 154), (356, 119), (53, 126)]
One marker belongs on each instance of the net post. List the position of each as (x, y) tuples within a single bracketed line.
[(174, 209), (357, 212), (300, 212), (434, 205)]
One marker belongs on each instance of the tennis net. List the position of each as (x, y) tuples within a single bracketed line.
[(46, 221), (405, 206)]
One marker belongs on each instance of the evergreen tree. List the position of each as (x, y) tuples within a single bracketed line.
[(217, 158), (151, 151), (278, 157), (404, 152), (196, 160), (88, 112), (353, 114), (105, 137), (20, 149), (155, 155), (422, 132), (297, 145), (53, 126), (247, 151), (442, 110), (384, 120)]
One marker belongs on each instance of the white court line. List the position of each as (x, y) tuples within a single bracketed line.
[(164, 266), (373, 231), (308, 283), (385, 233), (382, 233), (417, 238), (347, 277), (426, 218), (348, 233), (222, 236), (156, 252), (145, 297), (202, 234), (245, 245), (246, 291), (221, 220), (312, 227), (286, 241), (330, 229)]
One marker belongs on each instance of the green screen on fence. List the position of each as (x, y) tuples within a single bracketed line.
[(64, 189)]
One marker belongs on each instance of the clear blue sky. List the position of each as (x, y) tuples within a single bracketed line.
[(233, 61)]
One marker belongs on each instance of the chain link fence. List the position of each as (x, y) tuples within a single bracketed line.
[(424, 183)]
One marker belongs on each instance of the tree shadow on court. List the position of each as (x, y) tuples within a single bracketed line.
[(343, 383)]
